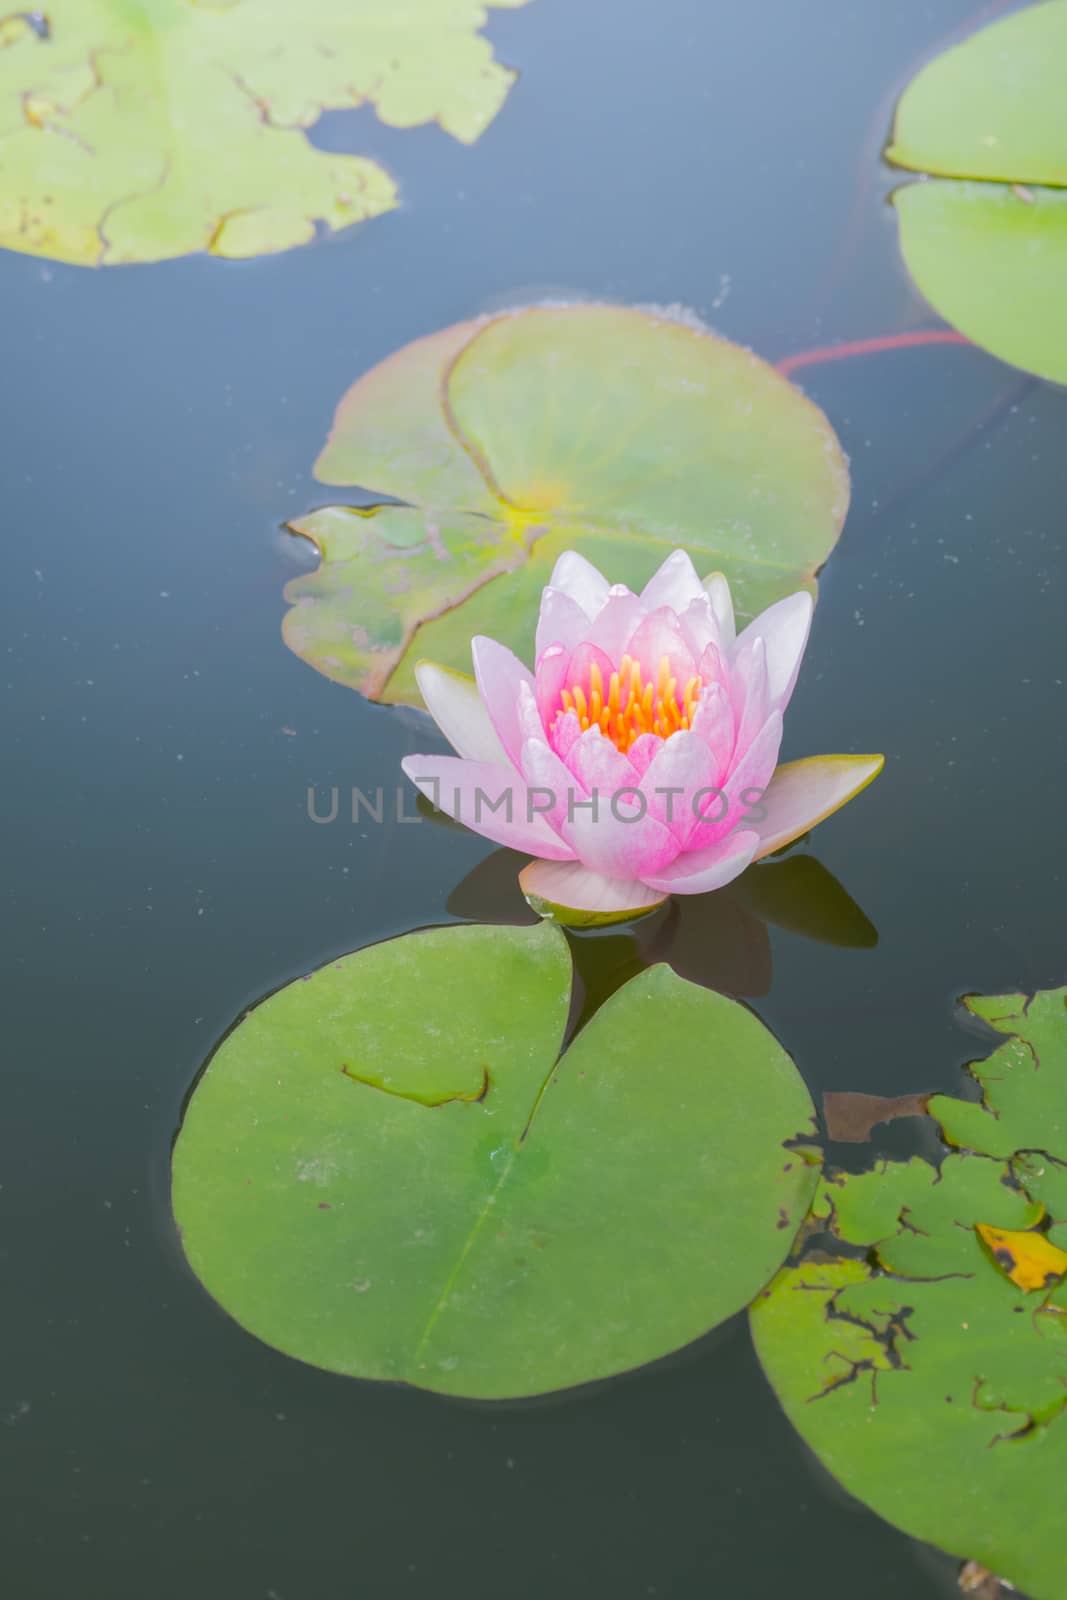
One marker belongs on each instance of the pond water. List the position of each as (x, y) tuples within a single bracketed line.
[(162, 872)]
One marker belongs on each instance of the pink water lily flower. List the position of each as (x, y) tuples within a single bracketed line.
[(640, 758)]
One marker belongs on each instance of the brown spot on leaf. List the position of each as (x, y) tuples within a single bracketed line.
[(850, 1117)]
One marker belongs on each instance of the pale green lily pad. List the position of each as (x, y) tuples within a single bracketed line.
[(622, 433), (386, 1172), (991, 255), (148, 131), (923, 1377)]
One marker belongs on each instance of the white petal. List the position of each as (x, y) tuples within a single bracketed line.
[(579, 579), (453, 701), (750, 690), (615, 623), (499, 673), (802, 793), (699, 624), (675, 584), (555, 888), (561, 621), (784, 629), (717, 590), (530, 724)]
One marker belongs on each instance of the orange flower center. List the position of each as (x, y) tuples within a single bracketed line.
[(629, 706)]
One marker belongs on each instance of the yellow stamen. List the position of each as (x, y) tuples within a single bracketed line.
[(632, 707)]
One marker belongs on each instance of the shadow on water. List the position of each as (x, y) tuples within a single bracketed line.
[(721, 940)]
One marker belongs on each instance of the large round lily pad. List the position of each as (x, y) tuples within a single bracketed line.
[(618, 432), (925, 1358), (141, 132), (386, 1171), (990, 251)]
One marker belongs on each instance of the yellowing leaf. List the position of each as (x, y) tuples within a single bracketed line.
[(1029, 1259), (140, 133)]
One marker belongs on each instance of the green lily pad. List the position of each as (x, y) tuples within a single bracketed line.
[(990, 251), (924, 1359), (387, 1172), (148, 131), (1024, 1107), (618, 432)]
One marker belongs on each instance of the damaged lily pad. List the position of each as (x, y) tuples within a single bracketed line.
[(985, 238), (619, 432), (144, 132), (924, 1355), (386, 1170)]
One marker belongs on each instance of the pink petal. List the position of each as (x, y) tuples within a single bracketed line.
[(598, 764), (585, 656), (561, 621), (564, 733), (750, 776), (551, 677), (453, 701), (657, 636), (554, 786), (609, 834), (683, 766), (698, 625), (675, 584), (573, 887), (699, 871), (784, 629), (749, 693), (718, 592), (713, 721), (579, 579), (712, 667), (499, 674), (531, 725), (615, 623), (468, 790), (802, 793), (644, 750)]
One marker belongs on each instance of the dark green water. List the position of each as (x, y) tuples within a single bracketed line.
[(161, 871)]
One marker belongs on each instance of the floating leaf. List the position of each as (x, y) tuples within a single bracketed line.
[(930, 1375), (618, 432), (139, 133), (384, 1171), (991, 255)]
